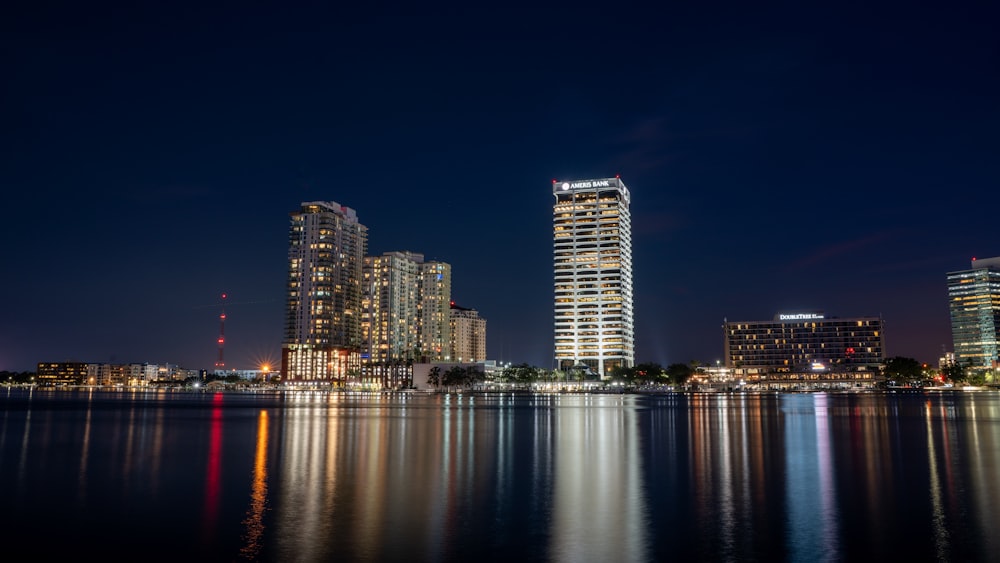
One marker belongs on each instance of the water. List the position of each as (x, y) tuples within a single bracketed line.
[(167, 475)]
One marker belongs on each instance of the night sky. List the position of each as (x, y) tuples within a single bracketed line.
[(840, 157)]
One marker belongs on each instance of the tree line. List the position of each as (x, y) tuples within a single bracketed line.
[(899, 370), (525, 375)]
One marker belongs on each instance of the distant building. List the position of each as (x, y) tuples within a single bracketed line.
[(61, 373), (947, 360), (107, 374), (114, 375), (592, 251), (805, 349), (326, 250), (974, 304), (468, 335)]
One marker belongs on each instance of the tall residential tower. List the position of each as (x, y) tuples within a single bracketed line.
[(592, 241), (405, 304), (326, 250), (974, 304)]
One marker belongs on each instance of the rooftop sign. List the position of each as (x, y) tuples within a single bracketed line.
[(799, 316), (607, 183)]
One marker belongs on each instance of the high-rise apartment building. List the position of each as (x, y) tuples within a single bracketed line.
[(391, 304), (326, 250), (435, 311), (468, 335), (403, 320), (974, 304), (592, 239)]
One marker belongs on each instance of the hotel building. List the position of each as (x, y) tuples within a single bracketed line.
[(592, 240), (326, 251), (974, 305), (806, 349)]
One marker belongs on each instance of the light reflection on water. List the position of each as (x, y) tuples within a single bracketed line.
[(254, 520), (372, 477)]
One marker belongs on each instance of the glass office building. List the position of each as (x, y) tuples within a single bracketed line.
[(974, 306)]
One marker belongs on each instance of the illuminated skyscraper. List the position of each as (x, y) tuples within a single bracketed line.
[(592, 239), (326, 250), (391, 305), (435, 310), (402, 303), (974, 303)]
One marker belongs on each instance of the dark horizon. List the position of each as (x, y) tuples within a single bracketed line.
[(834, 158)]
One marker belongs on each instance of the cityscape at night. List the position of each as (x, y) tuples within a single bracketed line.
[(677, 281), (779, 158)]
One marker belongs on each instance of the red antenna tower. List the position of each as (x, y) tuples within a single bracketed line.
[(221, 364)]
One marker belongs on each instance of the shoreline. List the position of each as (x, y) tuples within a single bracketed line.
[(487, 392)]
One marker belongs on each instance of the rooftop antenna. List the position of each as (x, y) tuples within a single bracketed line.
[(221, 364)]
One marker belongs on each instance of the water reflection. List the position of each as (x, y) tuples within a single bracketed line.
[(254, 521), (81, 486), (598, 507), (318, 477), (810, 489), (213, 468), (939, 526), (380, 480)]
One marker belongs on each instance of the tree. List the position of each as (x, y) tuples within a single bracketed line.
[(623, 374), (899, 368), (954, 372), (648, 373), (454, 377), (521, 374), (11, 377), (680, 373), (474, 376), (434, 376)]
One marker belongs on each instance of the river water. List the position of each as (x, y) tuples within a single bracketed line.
[(302, 476)]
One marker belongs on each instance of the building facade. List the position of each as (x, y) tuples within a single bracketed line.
[(391, 305), (323, 339), (806, 349), (468, 335), (974, 306), (592, 255), (435, 311), (62, 373)]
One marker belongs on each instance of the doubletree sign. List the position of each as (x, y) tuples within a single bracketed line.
[(799, 316)]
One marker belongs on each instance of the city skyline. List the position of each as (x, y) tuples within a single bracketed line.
[(780, 158)]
